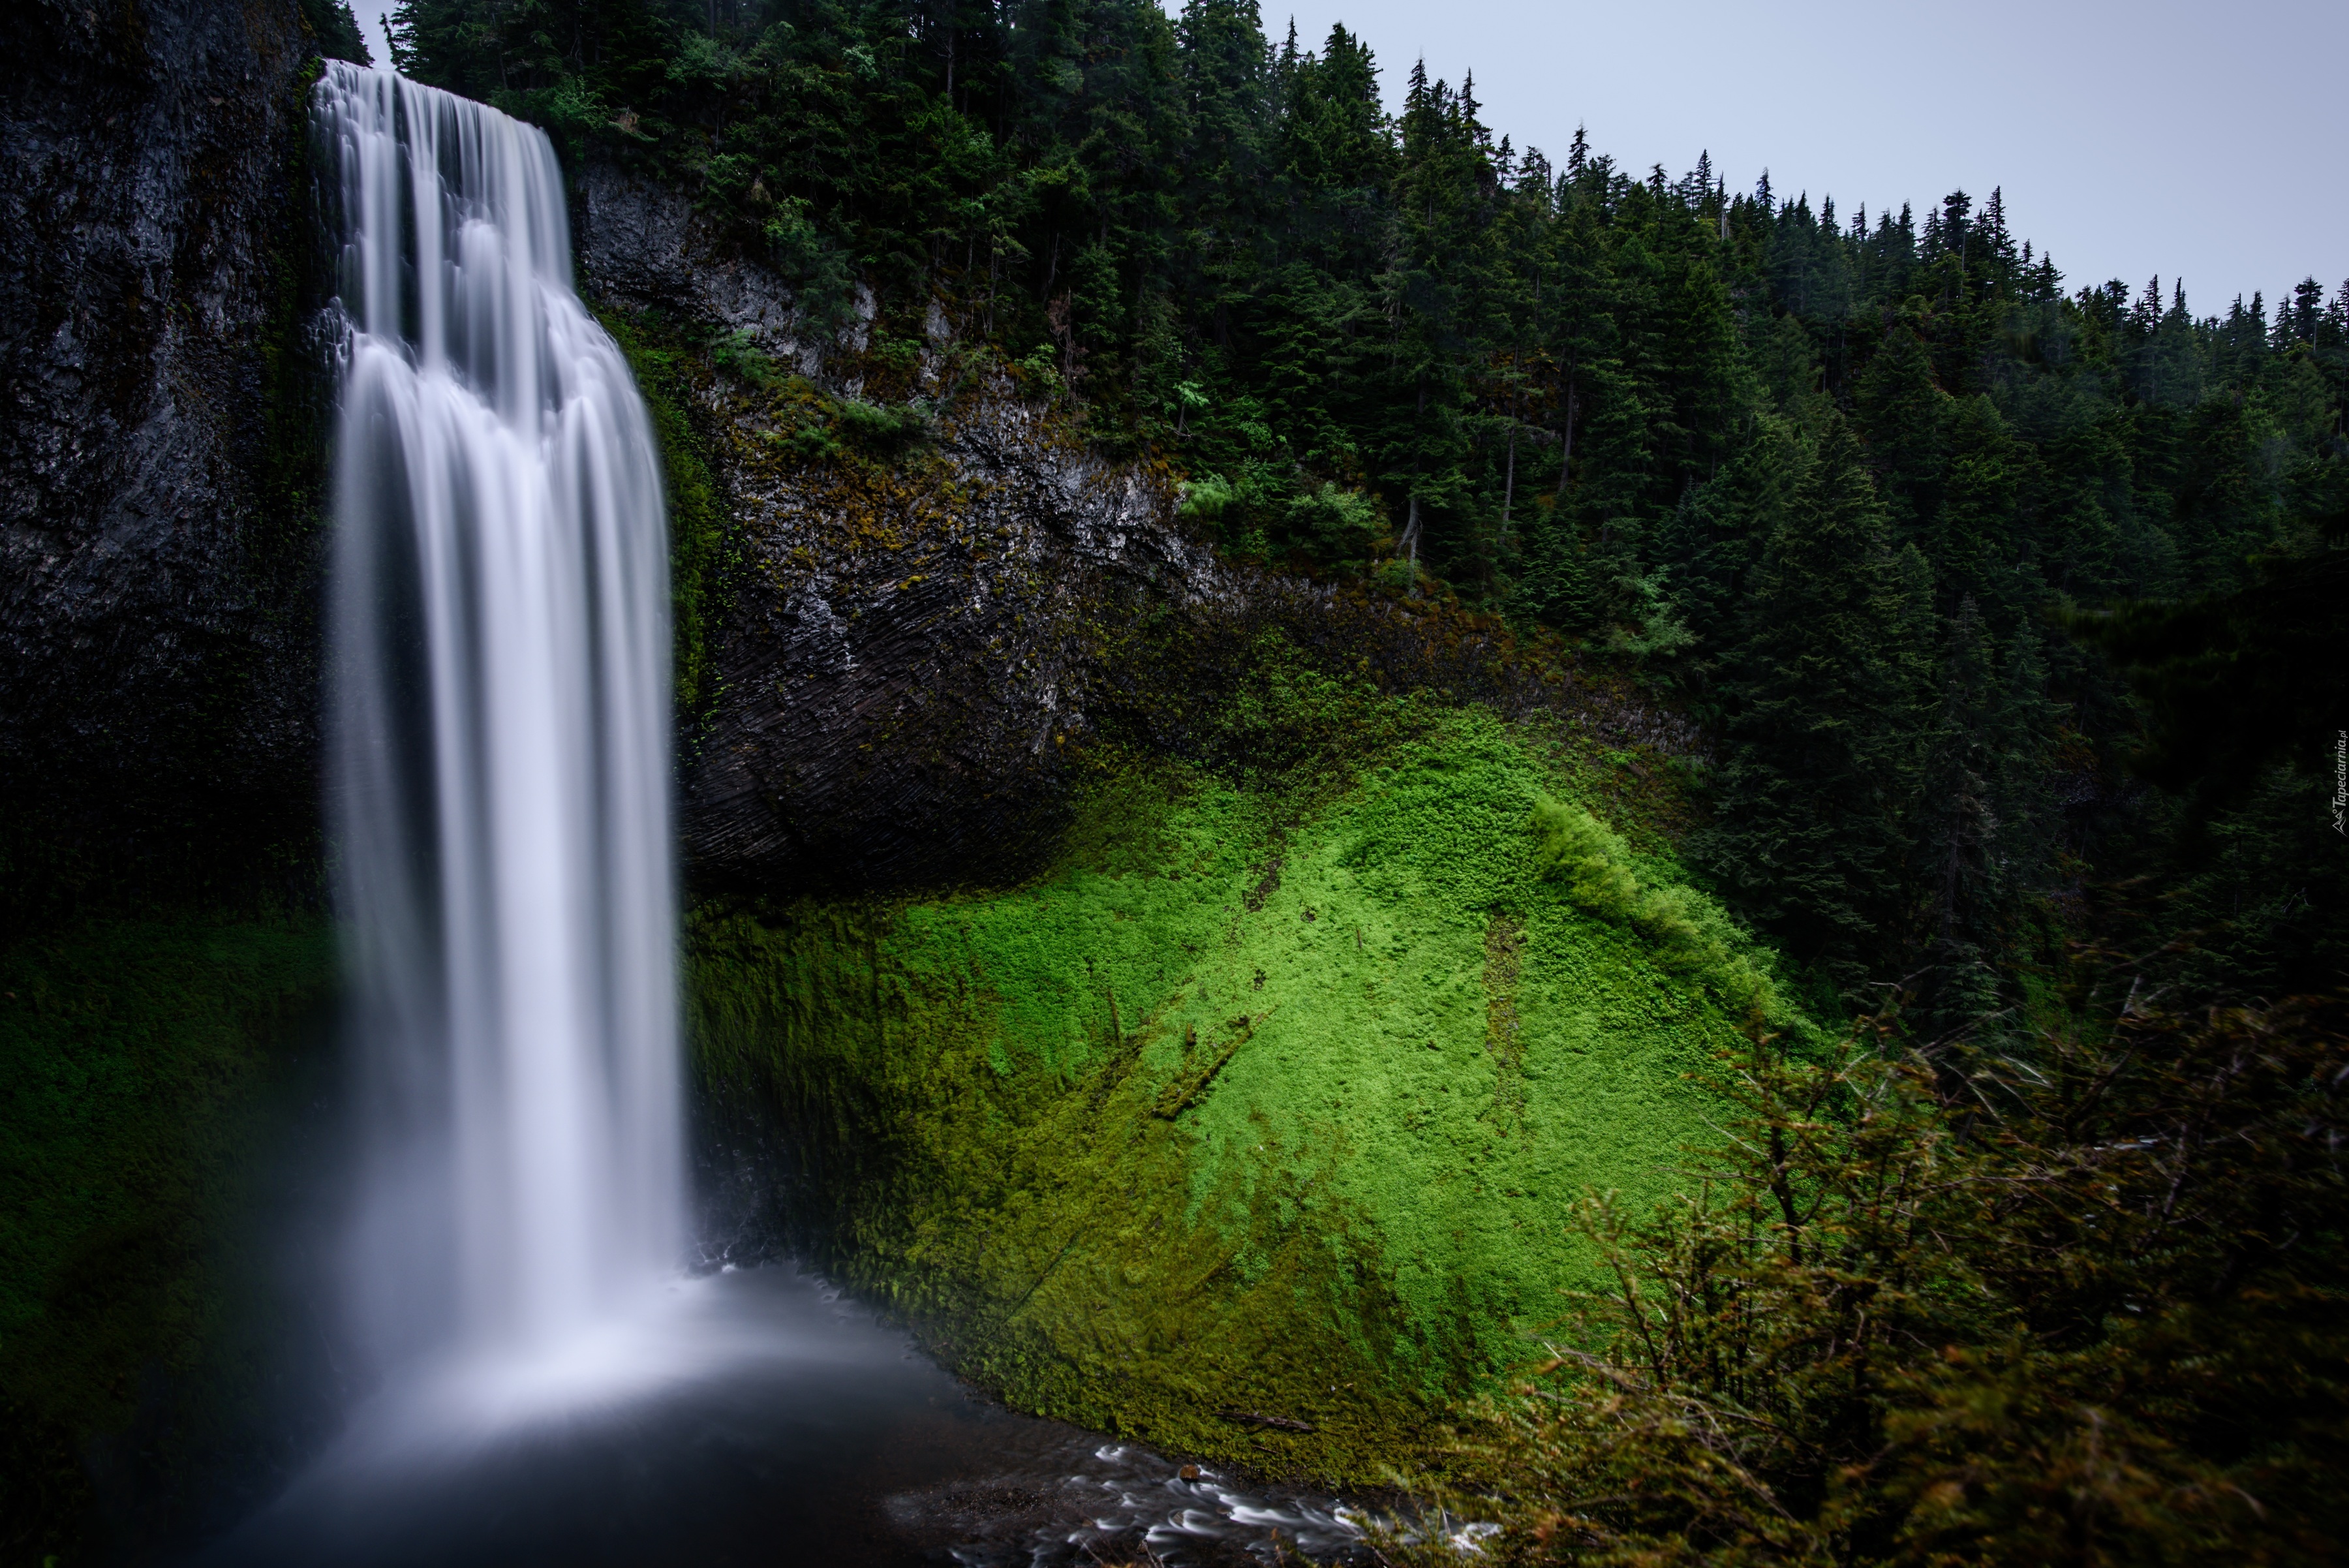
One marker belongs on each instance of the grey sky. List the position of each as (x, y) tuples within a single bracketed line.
[(370, 14), (2200, 140)]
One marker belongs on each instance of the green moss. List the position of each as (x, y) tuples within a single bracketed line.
[(1268, 1101), (667, 374), (130, 1052), (1689, 934), (141, 1064)]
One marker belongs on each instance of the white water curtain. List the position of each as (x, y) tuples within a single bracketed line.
[(500, 741)]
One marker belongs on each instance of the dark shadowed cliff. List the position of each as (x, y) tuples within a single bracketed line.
[(161, 451)]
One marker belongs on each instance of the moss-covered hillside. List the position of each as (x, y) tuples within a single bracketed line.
[(1252, 1126)]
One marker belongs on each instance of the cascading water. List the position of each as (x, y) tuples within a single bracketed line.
[(501, 748)]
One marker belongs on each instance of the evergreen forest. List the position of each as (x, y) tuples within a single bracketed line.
[(1692, 909), (1863, 492)]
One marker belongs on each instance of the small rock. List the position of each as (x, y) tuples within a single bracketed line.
[(1189, 1472)]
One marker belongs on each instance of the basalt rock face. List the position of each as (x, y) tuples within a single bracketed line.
[(911, 632), (642, 246), (160, 439), (899, 699), (924, 627)]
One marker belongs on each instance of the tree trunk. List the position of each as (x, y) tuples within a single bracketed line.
[(1509, 483), (1566, 438)]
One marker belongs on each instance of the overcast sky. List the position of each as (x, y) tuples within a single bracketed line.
[(2202, 140)]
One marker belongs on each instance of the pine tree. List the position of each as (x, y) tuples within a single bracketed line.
[(1963, 874), (1900, 407), (1998, 260), (1978, 557), (1438, 294), (1713, 538), (1574, 559), (1827, 718)]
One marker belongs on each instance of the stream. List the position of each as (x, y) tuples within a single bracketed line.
[(762, 1419)]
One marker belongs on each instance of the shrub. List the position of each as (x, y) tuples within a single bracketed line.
[(2088, 1309)]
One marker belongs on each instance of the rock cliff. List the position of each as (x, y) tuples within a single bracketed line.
[(936, 593), (907, 635), (160, 455), (925, 590)]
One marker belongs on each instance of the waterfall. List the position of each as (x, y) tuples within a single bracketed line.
[(499, 752)]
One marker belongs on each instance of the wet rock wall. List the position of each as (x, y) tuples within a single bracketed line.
[(160, 448)]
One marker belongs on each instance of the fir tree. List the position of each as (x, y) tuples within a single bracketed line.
[(1827, 725)]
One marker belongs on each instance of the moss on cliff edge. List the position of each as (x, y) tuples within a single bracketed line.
[(668, 378), (1253, 1124)]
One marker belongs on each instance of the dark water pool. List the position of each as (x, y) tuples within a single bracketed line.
[(772, 1423)]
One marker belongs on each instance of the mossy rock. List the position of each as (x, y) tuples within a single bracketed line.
[(138, 1060), (1253, 1127)]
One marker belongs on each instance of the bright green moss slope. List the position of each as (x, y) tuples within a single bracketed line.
[(1261, 1104)]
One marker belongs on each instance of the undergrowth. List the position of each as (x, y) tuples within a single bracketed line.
[(2087, 1309)]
